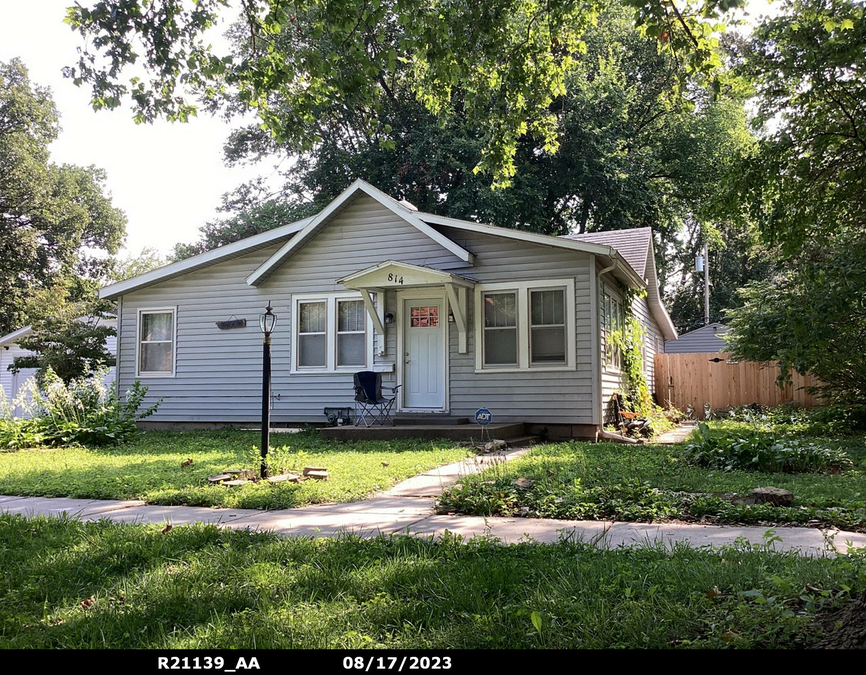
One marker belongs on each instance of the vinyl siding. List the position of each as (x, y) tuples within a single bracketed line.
[(12, 383), (218, 373), (612, 378), (705, 339)]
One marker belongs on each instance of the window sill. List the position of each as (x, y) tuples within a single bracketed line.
[(325, 371), (155, 375), (548, 369)]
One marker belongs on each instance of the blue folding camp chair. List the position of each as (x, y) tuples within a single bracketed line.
[(371, 407)]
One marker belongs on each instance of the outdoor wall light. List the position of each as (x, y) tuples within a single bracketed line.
[(450, 316), (389, 318)]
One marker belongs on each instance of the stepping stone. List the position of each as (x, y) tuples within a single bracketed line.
[(311, 469), (219, 478), (233, 483), (318, 475), (283, 477)]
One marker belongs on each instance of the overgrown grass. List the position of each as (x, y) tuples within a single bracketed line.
[(648, 482), (150, 468), (68, 584)]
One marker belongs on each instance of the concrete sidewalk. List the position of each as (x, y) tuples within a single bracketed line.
[(413, 515), (408, 508)]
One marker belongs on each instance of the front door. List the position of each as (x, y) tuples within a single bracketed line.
[(424, 354)]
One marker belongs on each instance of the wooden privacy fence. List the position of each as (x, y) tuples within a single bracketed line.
[(684, 380)]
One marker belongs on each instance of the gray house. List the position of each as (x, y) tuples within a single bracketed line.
[(707, 338), (462, 315)]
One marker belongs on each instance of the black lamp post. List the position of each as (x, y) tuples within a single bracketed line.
[(267, 322)]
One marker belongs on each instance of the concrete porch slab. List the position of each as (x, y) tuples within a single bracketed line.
[(454, 432)]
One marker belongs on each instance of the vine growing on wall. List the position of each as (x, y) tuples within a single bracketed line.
[(628, 341)]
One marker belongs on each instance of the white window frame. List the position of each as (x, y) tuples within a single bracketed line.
[(330, 300), (522, 290), (156, 310)]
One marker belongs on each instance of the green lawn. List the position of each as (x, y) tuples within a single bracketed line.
[(646, 482), (68, 584), (150, 468)]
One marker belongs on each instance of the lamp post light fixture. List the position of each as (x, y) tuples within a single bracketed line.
[(267, 323)]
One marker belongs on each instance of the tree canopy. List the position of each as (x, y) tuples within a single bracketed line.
[(805, 180), (57, 223), (500, 65), (634, 152)]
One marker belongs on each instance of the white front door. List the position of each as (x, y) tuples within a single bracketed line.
[(424, 354)]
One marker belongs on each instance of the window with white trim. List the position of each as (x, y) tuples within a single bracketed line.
[(613, 322), (351, 333), (156, 332), (525, 325), (500, 329), (331, 332), (313, 334), (547, 343)]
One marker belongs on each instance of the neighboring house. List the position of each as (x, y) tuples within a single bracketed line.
[(704, 339), (462, 315), (9, 349)]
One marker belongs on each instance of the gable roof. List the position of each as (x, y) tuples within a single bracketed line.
[(630, 250), (205, 259), (704, 339), (632, 244), (15, 335), (336, 207), (636, 246)]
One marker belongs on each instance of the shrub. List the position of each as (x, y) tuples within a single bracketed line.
[(826, 420), (766, 452), (84, 412)]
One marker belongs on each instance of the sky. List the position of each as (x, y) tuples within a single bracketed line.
[(167, 178)]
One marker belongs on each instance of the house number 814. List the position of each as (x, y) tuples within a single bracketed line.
[(393, 277)]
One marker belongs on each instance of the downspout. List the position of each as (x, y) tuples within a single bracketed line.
[(599, 319)]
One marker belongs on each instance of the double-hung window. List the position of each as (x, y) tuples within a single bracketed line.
[(547, 343), (500, 329), (613, 323), (351, 333), (313, 334), (156, 336), (525, 325), (331, 332)]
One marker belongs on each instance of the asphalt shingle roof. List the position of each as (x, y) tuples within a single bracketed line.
[(631, 244)]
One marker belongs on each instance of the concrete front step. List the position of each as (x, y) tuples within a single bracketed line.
[(429, 420), (522, 441), (452, 432)]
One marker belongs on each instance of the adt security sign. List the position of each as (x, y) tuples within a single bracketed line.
[(483, 416)]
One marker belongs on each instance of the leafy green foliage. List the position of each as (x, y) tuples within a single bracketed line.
[(656, 482), (69, 337), (502, 67), (84, 411), (811, 318), (131, 265), (150, 467), (56, 221), (765, 452), (805, 180), (830, 420), (254, 590)]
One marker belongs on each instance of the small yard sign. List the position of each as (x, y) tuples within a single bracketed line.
[(483, 416)]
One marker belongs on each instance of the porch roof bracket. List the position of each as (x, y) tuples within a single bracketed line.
[(371, 310), (457, 299)]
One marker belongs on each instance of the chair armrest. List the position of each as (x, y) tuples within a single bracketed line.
[(394, 389)]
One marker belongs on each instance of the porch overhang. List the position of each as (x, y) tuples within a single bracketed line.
[(394, 275)]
